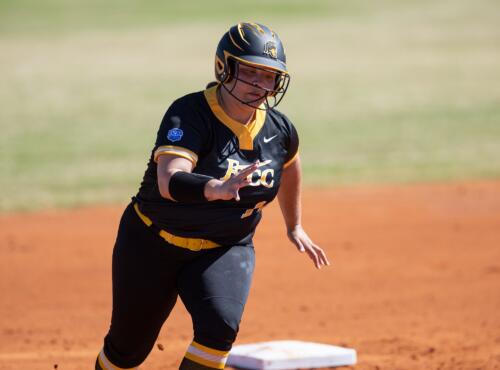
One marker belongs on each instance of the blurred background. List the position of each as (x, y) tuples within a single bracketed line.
[(386, 91)]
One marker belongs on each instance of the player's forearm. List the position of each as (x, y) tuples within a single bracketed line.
[(289, 195), (167, 166), (164, 182)]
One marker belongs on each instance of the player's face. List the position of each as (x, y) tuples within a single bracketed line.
[(252, 84)]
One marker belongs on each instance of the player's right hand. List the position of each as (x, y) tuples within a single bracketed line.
[(229, 189)]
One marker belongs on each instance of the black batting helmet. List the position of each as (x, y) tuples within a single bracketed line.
[(255, 45)]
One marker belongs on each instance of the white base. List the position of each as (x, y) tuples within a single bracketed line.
[(289, 354)]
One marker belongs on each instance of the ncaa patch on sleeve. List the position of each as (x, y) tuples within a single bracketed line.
[(174, 134)]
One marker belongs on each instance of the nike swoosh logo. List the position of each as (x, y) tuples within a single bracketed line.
[(265, 162), (266, 140)]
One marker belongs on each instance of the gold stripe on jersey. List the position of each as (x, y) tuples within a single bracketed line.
[(105, 364), (294, 158), (176, 150), (245, 133)]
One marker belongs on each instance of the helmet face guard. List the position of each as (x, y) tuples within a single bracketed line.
[(272, 97), (256, 46)]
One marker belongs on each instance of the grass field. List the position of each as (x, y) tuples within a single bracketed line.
[(386, 92)]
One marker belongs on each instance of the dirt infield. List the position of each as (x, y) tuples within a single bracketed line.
[(415, 281)]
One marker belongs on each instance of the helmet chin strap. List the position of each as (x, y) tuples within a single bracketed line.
[(249, 102)]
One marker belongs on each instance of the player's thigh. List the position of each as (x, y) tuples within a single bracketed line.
[(144, 287), (214, 288)]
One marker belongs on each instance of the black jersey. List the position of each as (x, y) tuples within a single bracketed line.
[(197, 128)]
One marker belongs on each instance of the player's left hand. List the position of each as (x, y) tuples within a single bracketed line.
[(305, 245), (229, 189)]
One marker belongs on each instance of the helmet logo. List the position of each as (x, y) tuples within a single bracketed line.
[(270, 49)]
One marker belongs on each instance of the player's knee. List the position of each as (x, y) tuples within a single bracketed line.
[(217, 327), (122, 355), (217, 334)]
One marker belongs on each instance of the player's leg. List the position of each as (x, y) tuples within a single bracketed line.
[(214, 289), (144, 293)]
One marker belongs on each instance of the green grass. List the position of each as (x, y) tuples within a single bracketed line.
[(65, 16), (386, 92)]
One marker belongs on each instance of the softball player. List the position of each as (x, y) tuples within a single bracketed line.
[(220, 156)]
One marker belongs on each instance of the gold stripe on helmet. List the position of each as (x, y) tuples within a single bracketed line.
[(242, 32), (219, 65), (234, 42), (256, 26)]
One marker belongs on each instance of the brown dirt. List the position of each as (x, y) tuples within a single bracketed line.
[(415, 281)]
